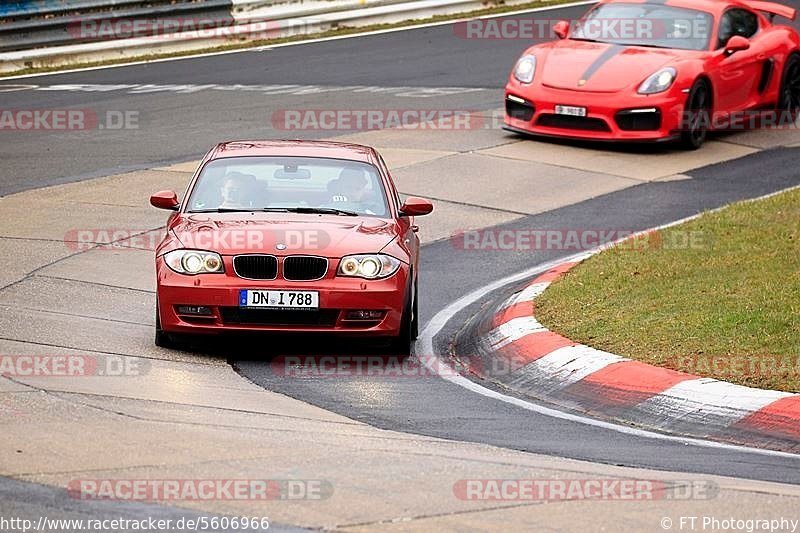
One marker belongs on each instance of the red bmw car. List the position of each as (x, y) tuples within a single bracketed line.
[(647, 70), (289, 236)]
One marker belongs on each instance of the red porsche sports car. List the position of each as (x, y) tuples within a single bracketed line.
[(653, 70), (300, 236)]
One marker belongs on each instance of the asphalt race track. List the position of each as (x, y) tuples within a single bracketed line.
[(432, 407), (183, 107), (178, 127)]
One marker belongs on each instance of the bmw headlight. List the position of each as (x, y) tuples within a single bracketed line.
[(659, 82), (193, 262), (525, 69), (369, 266)]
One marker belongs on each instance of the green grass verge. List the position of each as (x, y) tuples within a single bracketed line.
[(341, 31), (725, 306)]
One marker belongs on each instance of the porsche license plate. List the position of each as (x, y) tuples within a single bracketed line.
[(570, 111), (279, 299)]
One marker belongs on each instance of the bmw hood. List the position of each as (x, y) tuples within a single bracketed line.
[(600, 67), (278, 234)]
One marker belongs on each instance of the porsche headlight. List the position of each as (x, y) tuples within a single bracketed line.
[(369, 266), (659, 82), (525, 69), (193, 262)]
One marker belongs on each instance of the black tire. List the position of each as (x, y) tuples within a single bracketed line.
[(409, 327), (162, 338), (789, 97), (697, 115), (414, 315)]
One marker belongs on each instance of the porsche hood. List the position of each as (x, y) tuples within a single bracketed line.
[(601, 67)]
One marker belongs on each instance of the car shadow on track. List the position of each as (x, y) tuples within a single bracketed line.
[(621, 147), (298, 355), (608, 146)]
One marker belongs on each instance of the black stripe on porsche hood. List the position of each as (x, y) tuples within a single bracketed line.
[(605, 57), (613, 51)]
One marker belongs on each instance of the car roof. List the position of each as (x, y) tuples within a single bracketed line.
[(294, 148)]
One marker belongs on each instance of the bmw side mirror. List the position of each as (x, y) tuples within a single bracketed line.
[(416, 207), (165, 200)]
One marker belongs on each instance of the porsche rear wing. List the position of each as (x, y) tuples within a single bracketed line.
[(772, 9)]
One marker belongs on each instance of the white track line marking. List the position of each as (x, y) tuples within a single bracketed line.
[(434, 363)]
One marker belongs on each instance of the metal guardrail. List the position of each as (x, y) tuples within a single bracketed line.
[(53, 25), (50, 23), (48, 7), (46, 23), (61, 33)]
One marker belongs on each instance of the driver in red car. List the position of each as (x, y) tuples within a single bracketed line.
[(233, 191), (350, 186)]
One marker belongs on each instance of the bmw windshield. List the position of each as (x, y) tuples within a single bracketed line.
[(297, 184)]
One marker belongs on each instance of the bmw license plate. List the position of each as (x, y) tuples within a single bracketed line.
[(570, 111), (280, 299)]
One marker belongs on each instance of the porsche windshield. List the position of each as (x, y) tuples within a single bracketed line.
[(303, 184), (650, 25)]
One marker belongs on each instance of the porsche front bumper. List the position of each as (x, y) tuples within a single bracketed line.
[(531, 109)]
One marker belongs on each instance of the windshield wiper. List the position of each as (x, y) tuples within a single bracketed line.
[(322, 211), (309, 210), (223, 210), (242, 210)]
